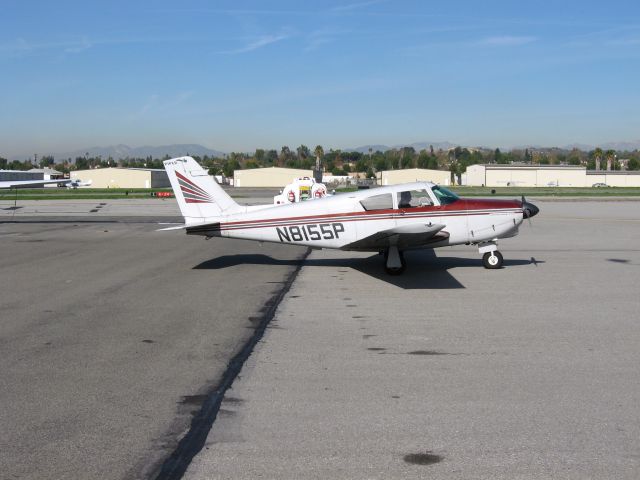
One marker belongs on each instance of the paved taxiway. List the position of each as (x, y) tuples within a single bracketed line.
[(111, 333), (450, 371)]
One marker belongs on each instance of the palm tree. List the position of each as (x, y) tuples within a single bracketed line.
[(317, 172), (597, 155), (610, 155)]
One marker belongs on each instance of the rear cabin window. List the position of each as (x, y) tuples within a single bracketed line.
[(414, 198), (378, 202)]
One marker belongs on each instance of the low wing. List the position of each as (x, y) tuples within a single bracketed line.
[(404, 237), (29, 183)]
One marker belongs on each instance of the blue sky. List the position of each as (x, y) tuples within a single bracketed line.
[(235, 75)]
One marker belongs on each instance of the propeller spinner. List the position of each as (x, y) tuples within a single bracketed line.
[(528, 209)]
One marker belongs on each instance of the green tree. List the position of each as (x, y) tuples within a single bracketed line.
[(230, 166), (271, 157), (423, 159), (303, 152), (47, 161), (380, 163), (407, 157), (82, 163), (285, 155), (259, 156)]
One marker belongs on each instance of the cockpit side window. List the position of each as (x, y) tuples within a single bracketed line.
[(413, 199), (444, 196), (378, 202)]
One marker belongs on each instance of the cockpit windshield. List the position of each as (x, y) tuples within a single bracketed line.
[(444, 196)]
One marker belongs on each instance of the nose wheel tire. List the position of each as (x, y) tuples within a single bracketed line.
[(492, 260)]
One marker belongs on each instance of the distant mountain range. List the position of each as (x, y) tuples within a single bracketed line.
[(417, 146), (619, 146), (118, 152)]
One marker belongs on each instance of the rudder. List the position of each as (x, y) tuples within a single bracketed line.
[(199, 196)]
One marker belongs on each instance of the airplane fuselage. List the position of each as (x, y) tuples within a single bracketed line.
[(336, 222), (389, 219)]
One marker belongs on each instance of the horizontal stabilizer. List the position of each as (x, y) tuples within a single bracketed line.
[(178, 227)]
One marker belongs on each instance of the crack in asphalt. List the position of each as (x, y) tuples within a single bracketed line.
[(176, 463)]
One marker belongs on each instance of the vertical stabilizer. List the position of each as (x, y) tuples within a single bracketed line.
[(198, 195)]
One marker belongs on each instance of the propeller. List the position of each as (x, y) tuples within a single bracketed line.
[(528, 210)]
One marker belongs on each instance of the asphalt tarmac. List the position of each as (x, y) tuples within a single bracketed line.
[(112, 334), (450, 371)]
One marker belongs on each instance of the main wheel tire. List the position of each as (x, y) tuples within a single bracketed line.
[(492, 260), (394, 271)]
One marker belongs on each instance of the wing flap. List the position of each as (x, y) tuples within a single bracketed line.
[(403, 236)]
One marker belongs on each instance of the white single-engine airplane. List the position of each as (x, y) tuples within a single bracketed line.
[(78, 183), (387, 219)]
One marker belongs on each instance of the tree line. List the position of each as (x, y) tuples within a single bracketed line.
[(340, 162)]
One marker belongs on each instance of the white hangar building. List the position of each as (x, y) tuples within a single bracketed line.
[(268, 177), (497, 175), (123, 177), (394, 177)]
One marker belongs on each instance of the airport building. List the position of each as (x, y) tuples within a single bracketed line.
[(19, 175), (123, 177), (47, 173), (614, 178), (394, 177), (33, 174), (495, 175), (268, 177)]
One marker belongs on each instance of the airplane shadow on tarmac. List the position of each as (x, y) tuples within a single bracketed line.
[(424, 270)]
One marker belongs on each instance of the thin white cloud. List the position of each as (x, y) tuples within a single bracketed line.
[(507, 41), (321, 37), (155, 104), (260, 42), (20, 47), (355, 6), (623, 42), (83, 45)]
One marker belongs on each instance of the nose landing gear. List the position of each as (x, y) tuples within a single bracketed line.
[(491, 257), (492, 260)]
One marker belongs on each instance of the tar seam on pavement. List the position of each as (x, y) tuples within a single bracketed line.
[(176, 464), (93, 219)]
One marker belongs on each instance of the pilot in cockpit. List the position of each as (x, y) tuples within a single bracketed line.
[(405, 200)]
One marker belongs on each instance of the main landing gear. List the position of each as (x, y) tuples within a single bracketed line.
[(394, 262), (491, 257)]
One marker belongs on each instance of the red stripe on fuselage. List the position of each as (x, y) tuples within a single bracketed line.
[(499, 206), (455, 208)]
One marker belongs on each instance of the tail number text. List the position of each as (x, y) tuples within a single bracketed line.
[(299, 233)]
